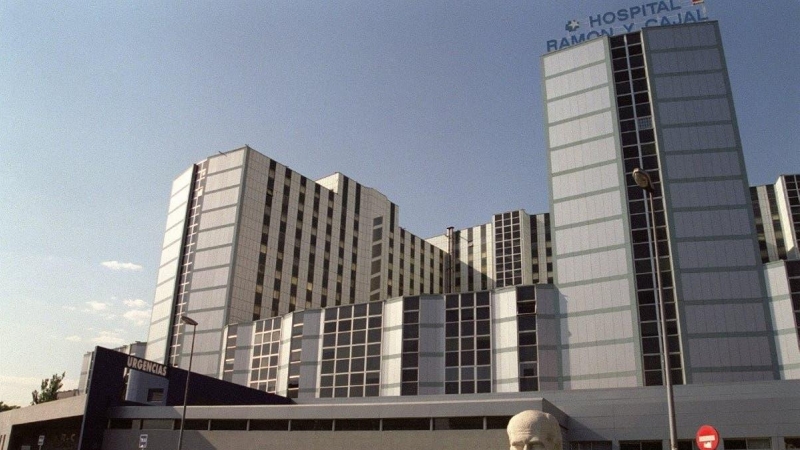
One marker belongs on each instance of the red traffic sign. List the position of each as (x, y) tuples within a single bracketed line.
[(707, 438)]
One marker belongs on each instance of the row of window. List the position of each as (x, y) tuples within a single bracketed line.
[(638, 140), (387, 424), (415, 424)]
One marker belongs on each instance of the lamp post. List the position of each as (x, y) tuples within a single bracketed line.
[(643, 180), (187, 321)]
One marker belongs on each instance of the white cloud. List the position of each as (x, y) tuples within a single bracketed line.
[(98, 306), (108, 338), (69, 308), (135, 303), (73, 338), (137, 316), (116, 265)]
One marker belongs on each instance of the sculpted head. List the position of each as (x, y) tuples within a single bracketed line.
[(534, 430)]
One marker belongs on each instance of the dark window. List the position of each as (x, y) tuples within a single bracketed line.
[(406, 424)]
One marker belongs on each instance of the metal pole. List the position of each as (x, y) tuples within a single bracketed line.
[(186, 390), (673, 439)]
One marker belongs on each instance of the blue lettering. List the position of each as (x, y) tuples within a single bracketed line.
[(662, 6), (552, 45), (673, 6), (579, 38), (635, 11), (609, 17), (629, 27), (622, 15), (593, 21), (564, 43), (652, 7), (700, 16), (665, 21), (650, 22), (689, 17)]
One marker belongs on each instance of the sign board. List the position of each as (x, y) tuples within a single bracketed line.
[(707, 438), (41, 440), (627, 20), (142, 441), (144, 365)]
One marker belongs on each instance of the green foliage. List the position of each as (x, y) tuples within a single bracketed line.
[(49, 389), (7, 407)]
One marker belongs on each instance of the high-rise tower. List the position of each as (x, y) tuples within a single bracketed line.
[(658, 99)]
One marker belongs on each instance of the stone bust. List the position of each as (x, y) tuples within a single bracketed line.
[(534, 430)]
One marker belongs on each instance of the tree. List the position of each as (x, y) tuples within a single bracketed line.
[(49, 388), (6, 407)]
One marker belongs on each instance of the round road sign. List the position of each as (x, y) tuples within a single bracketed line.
[(707, 438)]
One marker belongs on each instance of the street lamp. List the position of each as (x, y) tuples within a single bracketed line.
[(643, 180), (187, 321)]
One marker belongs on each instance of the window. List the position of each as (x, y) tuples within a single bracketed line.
[(155, 395), (467, 345), (351, 340), (747, 443), (590, 445)]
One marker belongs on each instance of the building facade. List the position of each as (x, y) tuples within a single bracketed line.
[(248, 238), (260, 255), (659, 100), (776, 208)]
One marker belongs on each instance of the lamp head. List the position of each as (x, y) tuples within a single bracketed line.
[(642, 179), (188, 321)]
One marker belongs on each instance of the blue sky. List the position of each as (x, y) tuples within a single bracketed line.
[(434, 103)]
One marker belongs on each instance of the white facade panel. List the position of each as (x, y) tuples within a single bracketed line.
[(721, 318), (610, 263), (698, 165), (173, 234), (598, 360), (226, 161), (694, 111), (167, 271), (716, 253), (221, 198), (585, 181), (180, 198), (730, 351), (715, 222), (584, 209), (218, 218), (170, 253), (579, 80), (574, 58), (597, 295), (202, 279), (720, 285), (660, 38), (584, 154), (596, 327), (581, 129), (583, 238), (209, 320), (686, 61), (690, 85), (705, 137), (214, 238), (175, 217), (223, 180), (210, 258), (183, 180), (164, 292), (587, 102), (707, 193), (163, 309)]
